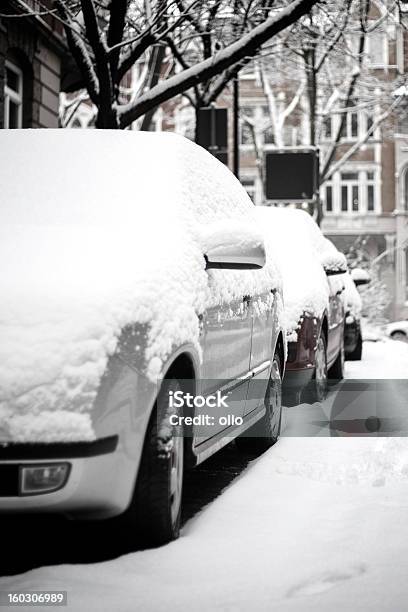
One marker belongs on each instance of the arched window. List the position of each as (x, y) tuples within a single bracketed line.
[(405, 186), (13, 96)]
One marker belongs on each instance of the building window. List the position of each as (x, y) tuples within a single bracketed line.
[(247, 112), (249, 185), (369, 123), (357, 192), (268, 136), (377, 52), (350, 127), (327, 126), (370, 187), (260, 119), (13, 97), (350, 198), (406, 189), (328, 198)]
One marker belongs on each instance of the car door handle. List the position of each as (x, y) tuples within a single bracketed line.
[(339, 292)]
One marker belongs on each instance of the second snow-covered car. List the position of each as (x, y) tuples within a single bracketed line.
[(133, 272), (312, 270)]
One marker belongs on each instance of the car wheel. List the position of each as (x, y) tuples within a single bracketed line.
[(399, 335), (266, 431), (155, 511), (316, 390), (336, 372), (356, 354)]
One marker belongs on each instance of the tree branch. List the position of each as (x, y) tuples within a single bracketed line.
[(247, 46), (117, 16), (80, 54)]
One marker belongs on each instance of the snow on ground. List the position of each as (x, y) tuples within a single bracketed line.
[(314, 524), (381, 359)]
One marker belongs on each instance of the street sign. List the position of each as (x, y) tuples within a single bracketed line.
[(292, 175), (212, 131)]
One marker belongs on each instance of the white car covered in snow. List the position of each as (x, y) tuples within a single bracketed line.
[(133, 275), (312, 273)]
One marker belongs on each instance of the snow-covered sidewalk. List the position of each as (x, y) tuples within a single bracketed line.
[(314, 524)]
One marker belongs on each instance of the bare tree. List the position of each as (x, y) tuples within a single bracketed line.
[(316, 73), (106, 38), (212, 28)]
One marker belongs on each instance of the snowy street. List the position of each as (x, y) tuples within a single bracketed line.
[(316, 523)]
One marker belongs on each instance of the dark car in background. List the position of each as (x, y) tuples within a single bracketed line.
[(353, 337)]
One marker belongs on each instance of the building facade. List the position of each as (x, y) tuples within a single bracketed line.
[(365, 200), (32, 51)]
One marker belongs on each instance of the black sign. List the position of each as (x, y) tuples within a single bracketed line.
[(212, 131), (292, 176)]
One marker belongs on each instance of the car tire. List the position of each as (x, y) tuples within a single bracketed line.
[(316, 390), (155, 510), (336, 372), (266, 431), (356, 354)]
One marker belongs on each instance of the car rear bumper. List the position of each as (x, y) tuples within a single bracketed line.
[(99, 484)]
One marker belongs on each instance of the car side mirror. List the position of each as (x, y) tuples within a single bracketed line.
[(334, 263), (360, 277), (233, 246), (334, 272)]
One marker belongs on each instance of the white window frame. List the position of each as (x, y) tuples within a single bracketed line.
[(385, 54), (14, 96), (362, 125), (350, 185), (348, 125), (362, 182), (324, 196)]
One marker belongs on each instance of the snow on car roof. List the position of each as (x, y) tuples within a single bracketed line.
[(100, 229), (297, 243)]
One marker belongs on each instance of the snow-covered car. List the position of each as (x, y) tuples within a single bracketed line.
[(312, 271), (353, 338), (397, 330), (133, 272)]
